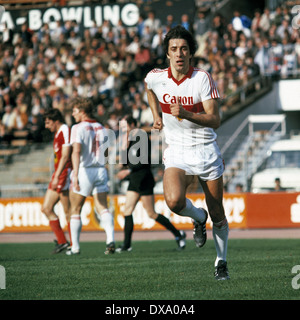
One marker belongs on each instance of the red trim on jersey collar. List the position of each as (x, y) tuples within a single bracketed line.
[(90, 120), (188, 75)]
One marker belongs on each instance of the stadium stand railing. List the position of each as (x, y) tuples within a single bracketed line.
[(244, 154), (244, 95)]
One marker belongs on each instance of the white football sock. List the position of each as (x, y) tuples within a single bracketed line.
[(107, 223), (75, 226), (191, 211), (220, 233)]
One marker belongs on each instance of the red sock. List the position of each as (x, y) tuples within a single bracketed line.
[(56, 228), (69, 230)]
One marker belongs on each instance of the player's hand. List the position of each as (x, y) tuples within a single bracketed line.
[(75, 183), (177, 110), (157, 124), (54, 183), (123, 174)]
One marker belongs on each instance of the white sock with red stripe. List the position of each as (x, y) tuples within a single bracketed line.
[(220, 233), (107, 223), (75, 226)]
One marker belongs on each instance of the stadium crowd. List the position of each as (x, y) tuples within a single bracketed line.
[(44, 69)]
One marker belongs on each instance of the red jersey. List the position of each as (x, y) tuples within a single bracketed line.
[(61, 138)]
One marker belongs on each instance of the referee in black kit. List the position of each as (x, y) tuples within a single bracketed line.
[(141, 181)]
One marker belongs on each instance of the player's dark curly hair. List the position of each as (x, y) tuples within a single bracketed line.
[(54, 115), (180, 32)]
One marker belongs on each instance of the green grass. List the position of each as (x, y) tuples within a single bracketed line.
[(154, 270)]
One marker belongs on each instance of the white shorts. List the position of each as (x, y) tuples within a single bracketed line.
[(204, 161), (91, 180)]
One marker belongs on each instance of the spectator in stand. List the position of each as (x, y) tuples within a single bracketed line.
[(35, 128), (25, 34), (253, 68), (264, 23), (241, 49), (277, 185), (239, 188), (255, 26), (219, 25), (2, 133), (46, 100), (153, 22), (289, 63), (157, 47), (57, 32), (276, 16), (128, 72), (113, 122), (7, 35), (106, 87), (169, 23), (134, 45), (8, 118), (146, 119), (185, 22), (146, 38), (36, 106), (7, 59), (140, 25), (284, 29), (201, 27), (101, 115), (21, 117), (238, 23), (143, 61), (136, 113)]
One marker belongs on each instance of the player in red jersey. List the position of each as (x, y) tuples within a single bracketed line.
[(188, 98), (58, 189)]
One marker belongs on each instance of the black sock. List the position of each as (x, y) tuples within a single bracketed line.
[(128, 229), (167, 224)]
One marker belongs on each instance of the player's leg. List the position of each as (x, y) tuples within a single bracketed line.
[(76, 201), (148, 204), (50, 200), (132, 199), (106, 220), (65, 201), (175, 183), (214, 199)]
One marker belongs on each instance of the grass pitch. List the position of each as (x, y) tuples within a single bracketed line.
[(154, 270)]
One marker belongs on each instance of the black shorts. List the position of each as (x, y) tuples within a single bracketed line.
[(142, 182)]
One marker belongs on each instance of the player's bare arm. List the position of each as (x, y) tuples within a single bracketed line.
[(154, 106), (211, 117), (75, 163)]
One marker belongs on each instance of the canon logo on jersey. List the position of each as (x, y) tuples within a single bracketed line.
[(168, 99)]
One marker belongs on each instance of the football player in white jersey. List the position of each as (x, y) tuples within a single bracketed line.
[(89, 175), (188, 100)]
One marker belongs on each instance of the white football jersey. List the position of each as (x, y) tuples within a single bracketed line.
[(196, 87), (91, 135)]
